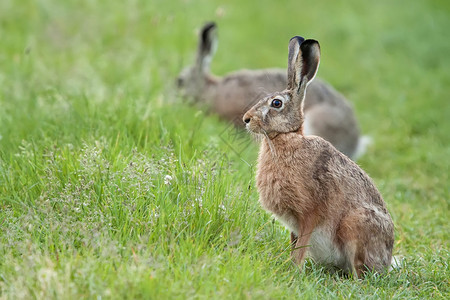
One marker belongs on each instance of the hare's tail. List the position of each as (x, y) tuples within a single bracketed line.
[(396, 262), (364, 142)]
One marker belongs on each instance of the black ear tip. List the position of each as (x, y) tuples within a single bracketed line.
[(208, 26), (207, 34), (299, 39), (310, 43)]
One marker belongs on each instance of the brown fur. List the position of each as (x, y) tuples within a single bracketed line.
[(323, 197), (327, 113)]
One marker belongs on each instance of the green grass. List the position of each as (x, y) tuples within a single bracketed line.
[(113, 187)]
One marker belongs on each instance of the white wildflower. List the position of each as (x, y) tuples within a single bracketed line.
[(167, 180), (199, 202)]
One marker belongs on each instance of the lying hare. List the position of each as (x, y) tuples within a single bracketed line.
[(320, 195), (327, 113)]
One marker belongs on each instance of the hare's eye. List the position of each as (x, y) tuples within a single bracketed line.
[(276, 103), (180, 82)]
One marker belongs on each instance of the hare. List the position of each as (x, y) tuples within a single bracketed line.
[(325, 199), (327, 113)]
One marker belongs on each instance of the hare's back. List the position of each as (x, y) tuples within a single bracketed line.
[(255, 83), (239, 91), (320, 92), (336, 172)]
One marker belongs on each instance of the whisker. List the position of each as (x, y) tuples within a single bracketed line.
[(272, 148)]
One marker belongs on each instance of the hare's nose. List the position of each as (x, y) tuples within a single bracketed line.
[(247, 118)]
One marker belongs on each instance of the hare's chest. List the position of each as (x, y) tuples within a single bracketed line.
[(274, 200), (276, 192)]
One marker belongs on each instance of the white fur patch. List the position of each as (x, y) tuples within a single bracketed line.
[(264, 112), (323, 249), (363, 143), (397, 262), (289, 221)]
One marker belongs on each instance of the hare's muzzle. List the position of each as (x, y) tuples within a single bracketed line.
[(252, 121), (247, 118)]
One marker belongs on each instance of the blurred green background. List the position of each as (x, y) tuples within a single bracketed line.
[(112, 186)]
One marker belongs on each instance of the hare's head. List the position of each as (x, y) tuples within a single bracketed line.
[(283, 112), (192, 80)]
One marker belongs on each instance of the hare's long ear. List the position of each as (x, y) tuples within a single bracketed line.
[(206, 46), (303, 62)]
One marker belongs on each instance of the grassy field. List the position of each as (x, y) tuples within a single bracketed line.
[(112, 187)]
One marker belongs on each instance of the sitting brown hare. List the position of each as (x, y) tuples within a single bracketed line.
[(325, 199)]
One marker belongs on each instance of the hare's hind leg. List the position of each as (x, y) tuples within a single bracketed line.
[(348, 239), (354, 261), (366, 241)]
